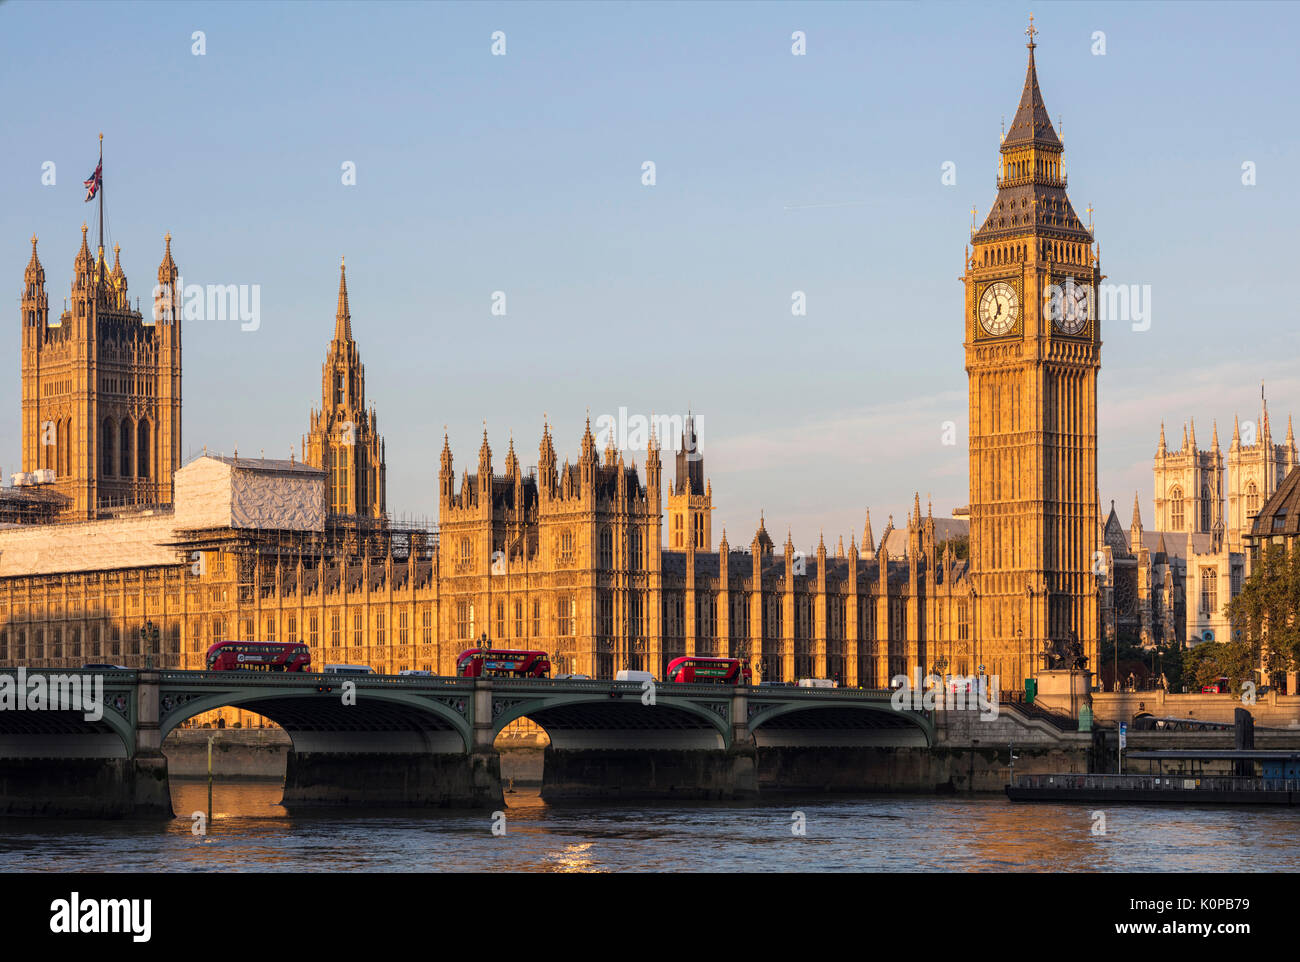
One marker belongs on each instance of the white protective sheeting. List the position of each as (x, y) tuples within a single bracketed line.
[(211, 493)]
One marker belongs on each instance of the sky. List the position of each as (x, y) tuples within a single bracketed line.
[(523, 173)]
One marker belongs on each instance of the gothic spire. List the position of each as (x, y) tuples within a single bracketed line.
[(34, 274), (167, 268), (1160, 448), (343, 319), (82, 264), (1031, 124), (1137, 513)]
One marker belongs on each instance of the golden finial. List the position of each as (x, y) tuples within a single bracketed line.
[(101, 136), (1089, 217), (972, 220), (1032, 31), (342, 261)]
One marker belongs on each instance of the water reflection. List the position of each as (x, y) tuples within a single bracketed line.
[(251, 831)]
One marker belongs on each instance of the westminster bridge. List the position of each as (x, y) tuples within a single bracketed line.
[(410, 740)]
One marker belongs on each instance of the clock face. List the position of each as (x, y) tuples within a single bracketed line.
[(1075, 308), (999, 308)]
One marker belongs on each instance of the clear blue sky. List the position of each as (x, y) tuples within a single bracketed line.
[(775, 173)]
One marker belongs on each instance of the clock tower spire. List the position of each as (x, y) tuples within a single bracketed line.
[(1033, 352)]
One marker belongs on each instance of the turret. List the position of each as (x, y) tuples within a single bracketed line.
[(35, 303), (446, 474)]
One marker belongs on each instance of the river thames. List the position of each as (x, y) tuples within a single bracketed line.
[(251, 832)]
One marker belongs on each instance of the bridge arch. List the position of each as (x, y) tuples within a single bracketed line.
[(839, 723), (595, 720), (381, 719)]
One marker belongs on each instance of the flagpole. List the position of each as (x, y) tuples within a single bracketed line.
[(101, 208)]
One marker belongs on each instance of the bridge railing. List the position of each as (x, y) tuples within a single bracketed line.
[(275, 678), (1174, 782)]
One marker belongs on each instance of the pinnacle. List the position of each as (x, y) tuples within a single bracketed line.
[(343, 318)]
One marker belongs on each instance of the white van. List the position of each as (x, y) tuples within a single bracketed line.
[(414, 671), (347, 670), (640, 676), (817, 683)]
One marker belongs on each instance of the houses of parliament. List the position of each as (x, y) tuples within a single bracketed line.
[(127, 556)]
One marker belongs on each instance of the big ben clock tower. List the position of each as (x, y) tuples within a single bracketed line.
[(1033, 350)]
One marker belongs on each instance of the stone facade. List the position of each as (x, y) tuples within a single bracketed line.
[(574, 558), (101, 387), (1170, 585), (1033, 351)]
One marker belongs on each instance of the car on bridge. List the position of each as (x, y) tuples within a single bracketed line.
[(347, 670)]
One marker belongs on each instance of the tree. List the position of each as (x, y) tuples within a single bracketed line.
[(1263, 615)]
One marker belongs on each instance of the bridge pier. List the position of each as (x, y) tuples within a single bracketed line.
[(85, 788), (392, 780), (649, 773)]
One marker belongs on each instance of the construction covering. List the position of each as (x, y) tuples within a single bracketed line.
[(211, 493)]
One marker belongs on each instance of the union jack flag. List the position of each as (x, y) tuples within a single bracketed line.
[(95, 182)]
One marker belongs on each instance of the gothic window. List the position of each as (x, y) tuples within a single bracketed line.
[(565, 617), (606, 614), (519, 619), (634, 616), (501, 619), (106, 448), (677, 531), (537, 619), (124, 437), (1209, 591), (142, 450), (634, 550), (566, 545), (464, 551), (606, 548), (1252, 499), (1176, 509), (1205, 509), (462, 620)]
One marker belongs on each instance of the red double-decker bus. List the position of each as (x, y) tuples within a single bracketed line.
[(503, 663), (709, 671), (258, 656)]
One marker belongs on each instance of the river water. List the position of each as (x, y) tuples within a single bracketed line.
[(250, 831)]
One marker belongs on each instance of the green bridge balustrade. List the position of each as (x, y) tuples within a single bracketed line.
[(378, 740)]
